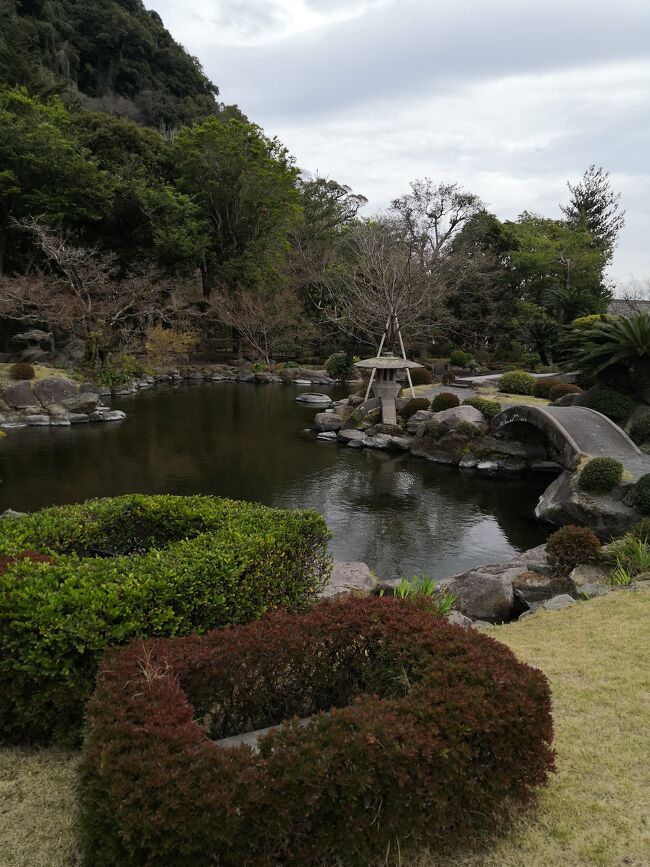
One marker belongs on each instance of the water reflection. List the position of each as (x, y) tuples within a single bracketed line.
[(401, 515)]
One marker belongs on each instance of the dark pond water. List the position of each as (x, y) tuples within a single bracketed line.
[(401, 515)]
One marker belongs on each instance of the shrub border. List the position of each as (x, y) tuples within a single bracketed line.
[(439, 766)]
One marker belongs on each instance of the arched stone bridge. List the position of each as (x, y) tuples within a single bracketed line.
[(573, 430)]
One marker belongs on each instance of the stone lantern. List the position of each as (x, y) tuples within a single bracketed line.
[(384, 383)]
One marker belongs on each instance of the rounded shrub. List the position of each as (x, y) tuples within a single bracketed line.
[(562, 389), (613, 404), (421, 376), (489, 408), (466, 428), (448, 377), (337, 366), (543, 387), (517, 382), (22, 370), (444, 400), (403, 716), (640, 432), (641, 495), (415, 404), (459, 358), (134, 567), (570, 547), (600, 475)]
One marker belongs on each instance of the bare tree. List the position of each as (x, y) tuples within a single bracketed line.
[(432, 215), (378, 275), (79, 292), (264, 319), (632, 297)]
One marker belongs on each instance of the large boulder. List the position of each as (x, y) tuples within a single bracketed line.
[(19, 395), (103, 414), (418, 419), (447, 450), (364, 409), (533, 587), (350, 577), (564, 503), (451, 418), (352, 435), (392, 430), (289, 374), (328, 421), (483, 596), (378, 441), (85, 401), (589, 573), (316, 377), (55, 389), (557, 603)]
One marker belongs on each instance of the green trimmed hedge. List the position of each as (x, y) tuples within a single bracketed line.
[(419, 376), (418, 731), (600, 475), (543, 387), (562, 389), (517, 382), (135, 567), (613, 404), (459, 358), (571, 546), (444, 400), (415, 404), (489, 408)]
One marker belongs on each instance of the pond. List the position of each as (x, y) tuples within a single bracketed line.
[(401, 515)]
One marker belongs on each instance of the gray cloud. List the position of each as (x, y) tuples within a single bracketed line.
[(509, 98), (418, 47)]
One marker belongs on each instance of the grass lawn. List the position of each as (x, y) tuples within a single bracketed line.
[(40, 371), (594, 813)]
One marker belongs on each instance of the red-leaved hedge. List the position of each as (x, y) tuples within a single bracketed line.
[(421, 733)]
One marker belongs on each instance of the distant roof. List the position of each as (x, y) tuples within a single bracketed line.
[(627, 307), (387, 362)]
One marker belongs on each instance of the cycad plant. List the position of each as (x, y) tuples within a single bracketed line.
[(607, 349)]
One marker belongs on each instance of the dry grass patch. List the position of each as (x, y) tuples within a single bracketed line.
[(594, 813), (40, 372), (37, 808)]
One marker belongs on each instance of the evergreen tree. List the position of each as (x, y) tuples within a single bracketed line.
[(596, 207)]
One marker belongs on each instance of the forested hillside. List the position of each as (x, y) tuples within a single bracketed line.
[(114, 54), (132, 200)]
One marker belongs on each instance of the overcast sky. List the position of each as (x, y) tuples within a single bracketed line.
[(509, 98)]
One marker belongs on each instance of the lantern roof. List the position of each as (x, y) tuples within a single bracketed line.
[(387, 362)]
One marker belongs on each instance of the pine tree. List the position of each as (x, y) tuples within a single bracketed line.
[(596, 207)]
